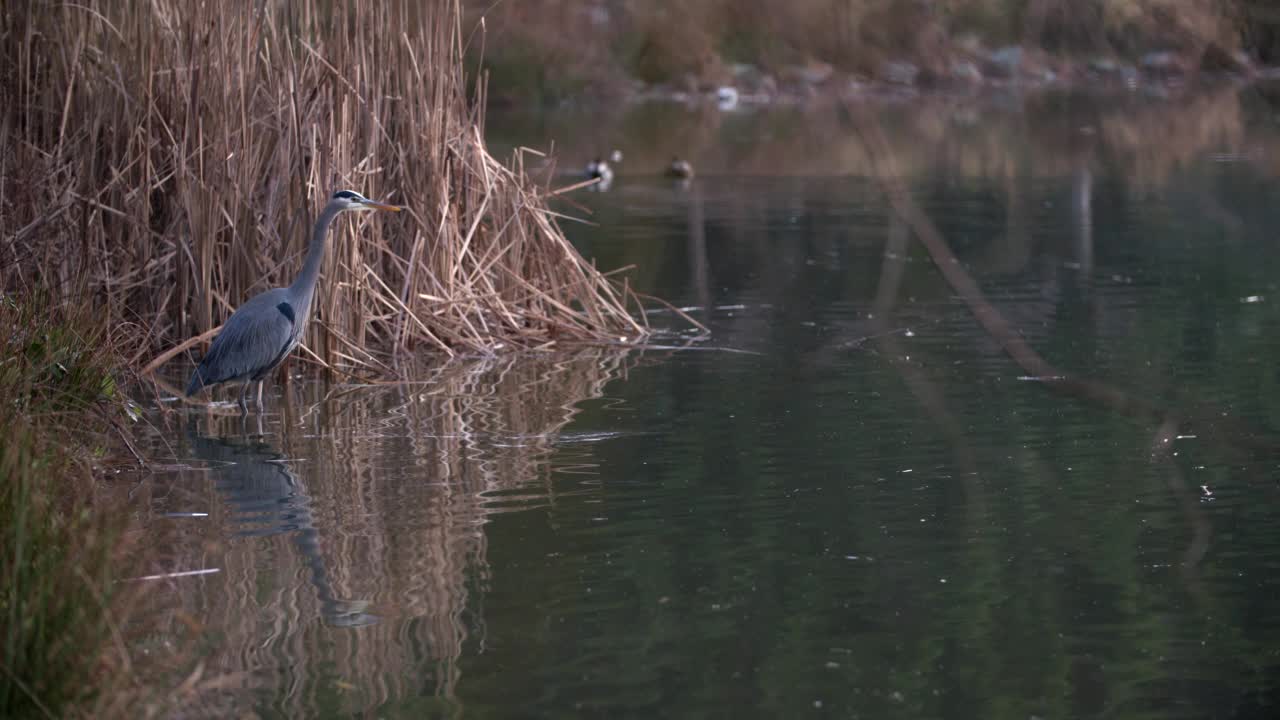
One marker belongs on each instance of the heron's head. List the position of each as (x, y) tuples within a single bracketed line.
[(352, 200)]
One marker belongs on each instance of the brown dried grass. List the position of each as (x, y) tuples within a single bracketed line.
[(174, 154)]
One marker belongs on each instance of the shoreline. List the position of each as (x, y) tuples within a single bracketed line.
[(1157, 76)]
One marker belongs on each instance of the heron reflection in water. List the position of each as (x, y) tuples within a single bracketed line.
[(266, 498)]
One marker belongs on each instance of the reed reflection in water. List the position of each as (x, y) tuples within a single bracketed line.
[(350, 533), (265, 497)]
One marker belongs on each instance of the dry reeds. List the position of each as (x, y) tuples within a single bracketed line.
[(174, 155)]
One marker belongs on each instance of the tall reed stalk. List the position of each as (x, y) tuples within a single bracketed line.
[(174, 153)]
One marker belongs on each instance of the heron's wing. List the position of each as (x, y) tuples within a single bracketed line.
[(252, 341)]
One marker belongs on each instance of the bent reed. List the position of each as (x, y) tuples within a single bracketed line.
[(172, 156)]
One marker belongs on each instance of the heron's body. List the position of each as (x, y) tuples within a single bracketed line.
[(262, 332), (269, 322)]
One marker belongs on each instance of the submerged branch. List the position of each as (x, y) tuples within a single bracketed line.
[(1229, 432)]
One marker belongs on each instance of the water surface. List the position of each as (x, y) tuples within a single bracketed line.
[(848, 501)]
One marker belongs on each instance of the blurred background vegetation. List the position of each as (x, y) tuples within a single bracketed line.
[(555, 49)]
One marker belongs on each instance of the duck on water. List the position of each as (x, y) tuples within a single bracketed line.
[(600, 170)]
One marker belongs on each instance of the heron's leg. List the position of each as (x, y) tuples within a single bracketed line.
[(260, 382), (244, 389)]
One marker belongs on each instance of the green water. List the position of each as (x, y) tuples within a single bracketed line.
[(848, 501)]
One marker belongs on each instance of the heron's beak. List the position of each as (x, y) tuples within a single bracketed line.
[(382, 206)]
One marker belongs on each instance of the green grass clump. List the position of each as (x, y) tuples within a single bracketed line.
[(49, 367), (58, 399)]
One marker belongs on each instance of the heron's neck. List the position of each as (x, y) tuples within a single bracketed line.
[(304, 287)]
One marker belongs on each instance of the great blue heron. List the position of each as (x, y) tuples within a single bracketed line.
[(258, 336)]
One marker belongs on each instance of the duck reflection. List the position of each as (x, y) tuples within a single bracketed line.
[(266, 497)]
